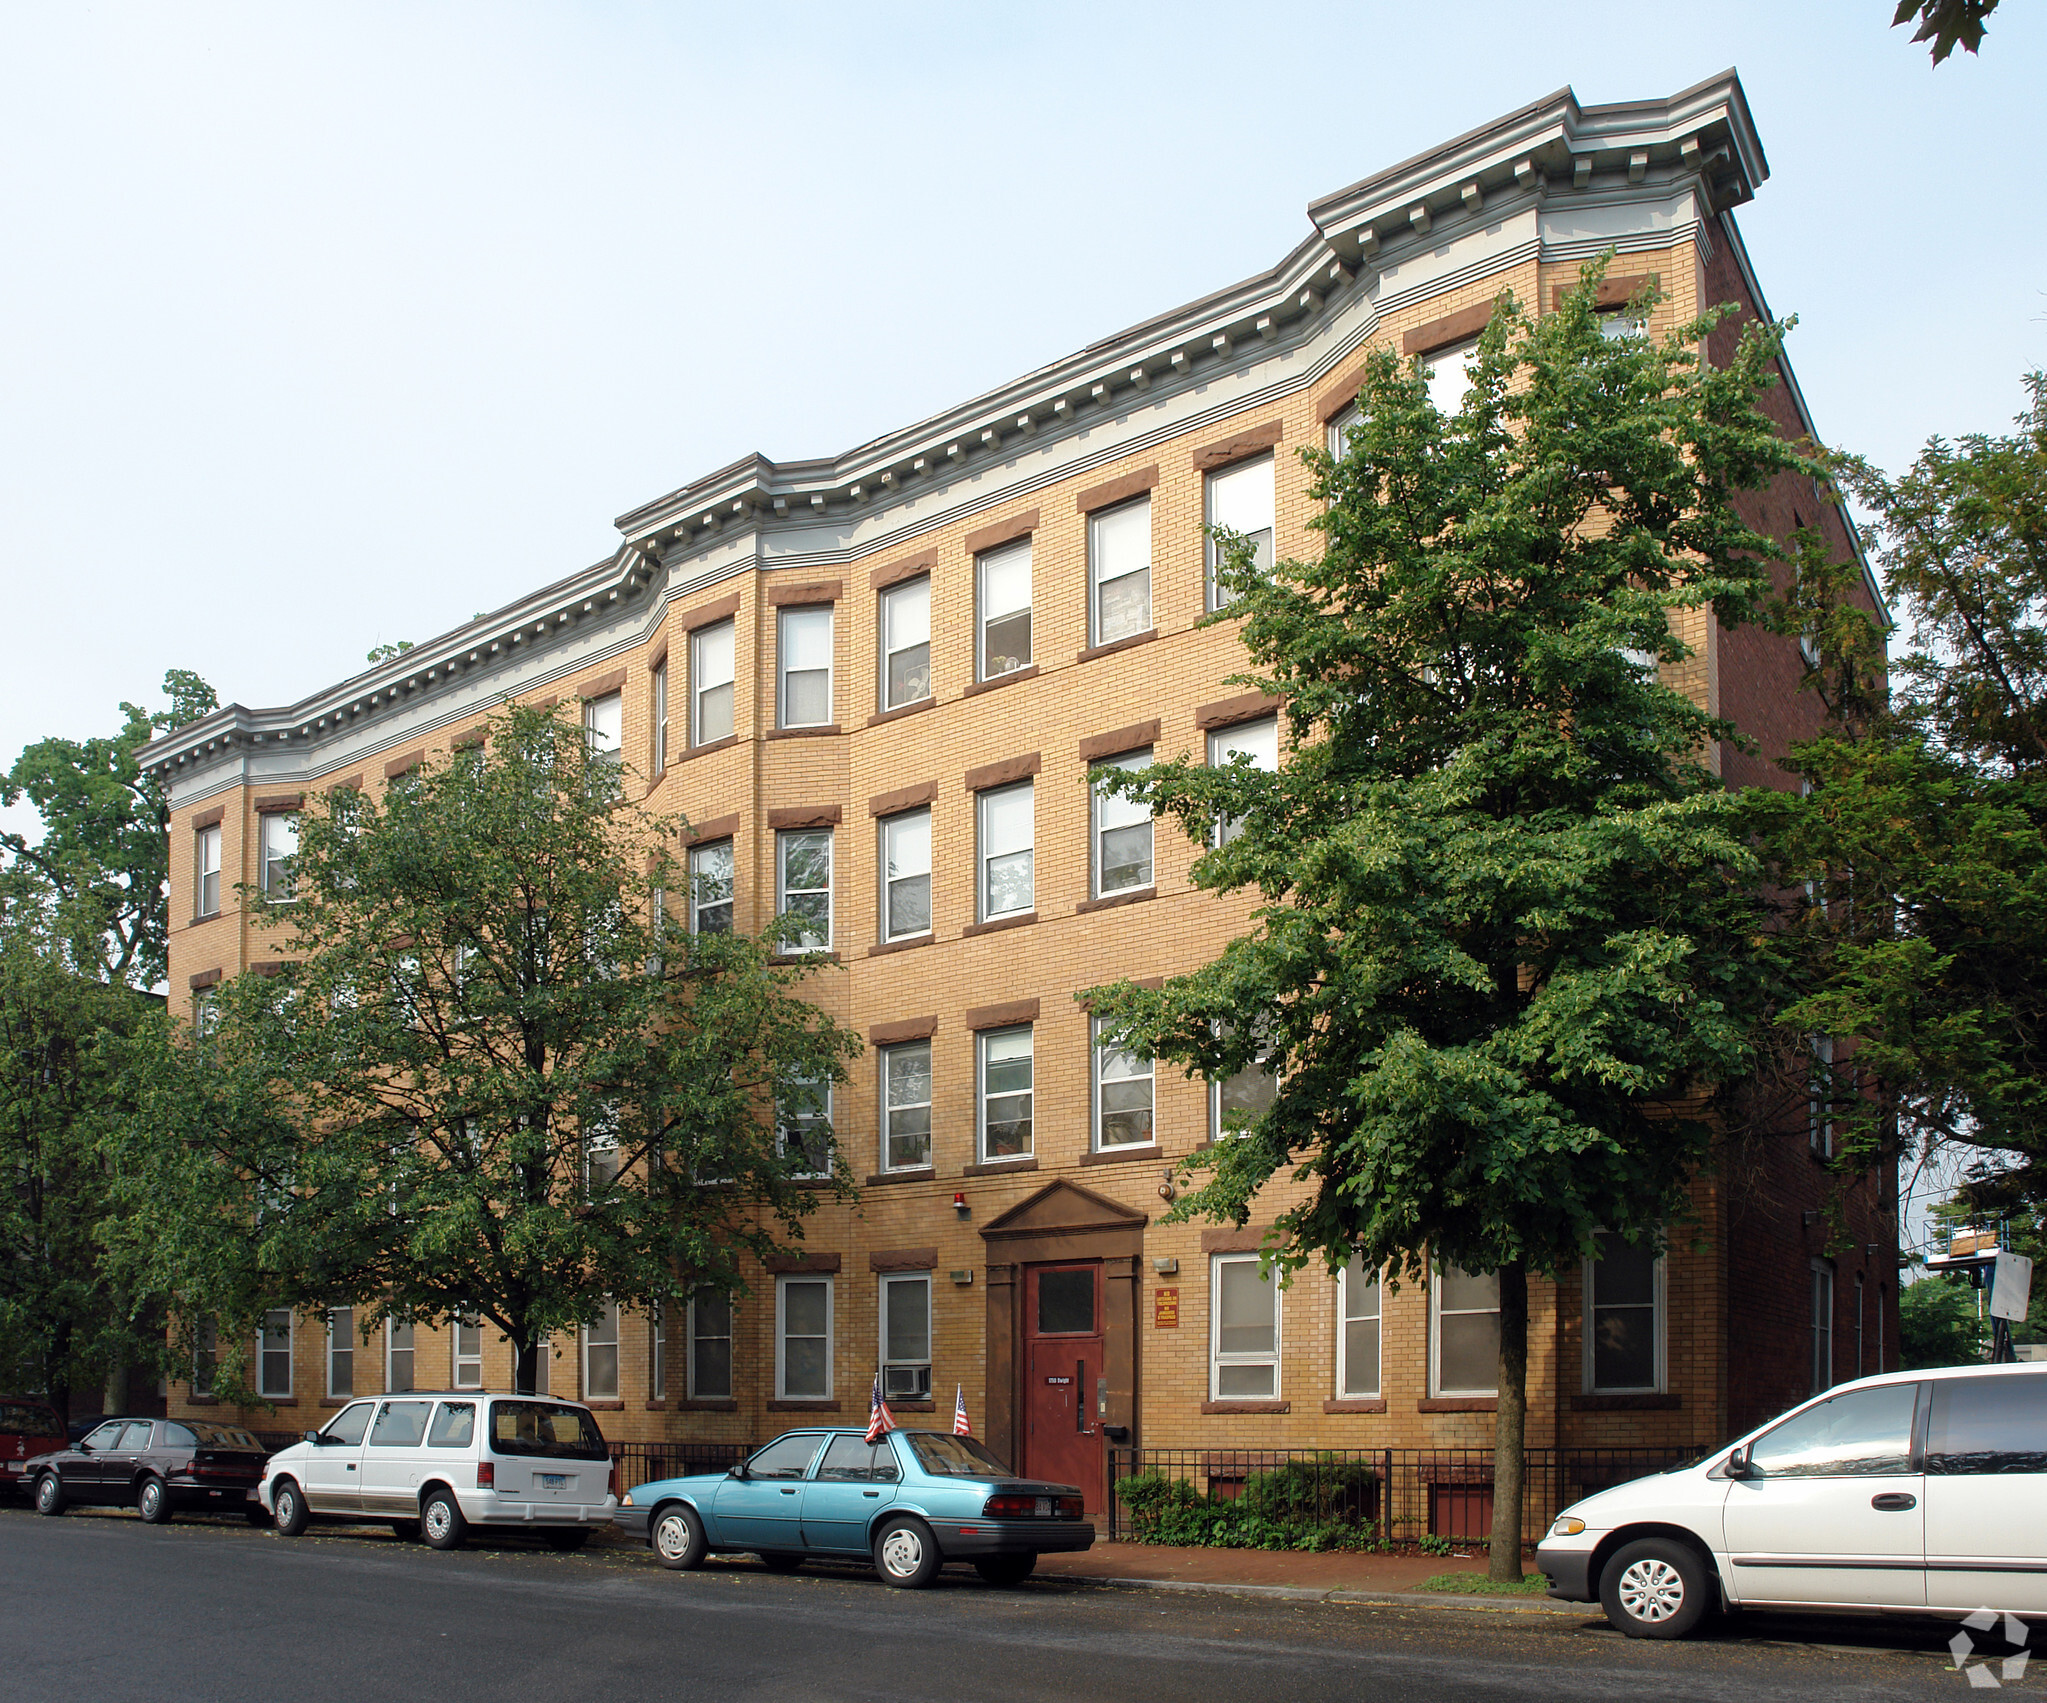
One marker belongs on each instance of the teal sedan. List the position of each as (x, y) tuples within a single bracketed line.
[(909, 1502)]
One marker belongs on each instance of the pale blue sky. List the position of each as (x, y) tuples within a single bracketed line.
[(323, 325)]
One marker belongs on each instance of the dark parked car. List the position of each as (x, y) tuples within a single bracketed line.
[(28, 1427), (156, 1466)]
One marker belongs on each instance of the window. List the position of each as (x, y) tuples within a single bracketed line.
[(397, 1355), (1244, 1346), (906, 874), (1624, 1317), (206, 885), (906, 1106), (1240, 498), (906, 1337), (804, 1128), (1819, 1093), (1858, 1433), (1122, 1096), (1006, 816), (657, 1353), (349, 1427), (710, 1347), (1341, 425), (1822, 1326), (543, 1361), (711, 658), (1006, 1082), (280, 843), (660, 715), (1002, 592), (1617, 325), (803, 1338), (1238, 1101), (467, 1369), (1122, 837), (1464, 1334), (454, 1426), (906, 643), (1988, 1425), (1448, 372), (786, 1457), (604, 727), (205, 1012), (804, 650), (1257, 742), (1119, 571), (850, 1459), (341, 1352), (1359, 1304), (803, 859), (205, 1356), (400, 1424), (273, 1354), (600, 1153), (600, 1356), (710, 888)]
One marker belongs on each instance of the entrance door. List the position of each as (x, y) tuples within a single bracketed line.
[(1062, 1364)]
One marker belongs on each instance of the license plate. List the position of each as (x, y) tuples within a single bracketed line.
[(554, 1481), (1044, 1507)]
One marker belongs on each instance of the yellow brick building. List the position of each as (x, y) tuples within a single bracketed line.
[(896, 666)]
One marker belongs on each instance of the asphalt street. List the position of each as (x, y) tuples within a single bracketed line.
[(100, 1606)]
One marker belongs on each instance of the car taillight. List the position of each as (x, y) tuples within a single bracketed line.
[(486, 1475), (1009, 1507), (1070, 1507)]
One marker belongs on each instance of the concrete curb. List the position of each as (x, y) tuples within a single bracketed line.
[(1296, 1593)]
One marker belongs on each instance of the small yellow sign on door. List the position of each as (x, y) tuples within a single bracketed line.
[(1165, 1309)]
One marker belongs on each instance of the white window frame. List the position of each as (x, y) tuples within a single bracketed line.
[(1436, 1388), (274, 872), (660, 673), (982, 1041), (1821, 1326), (1440, 383), (1220, 480), (1216, 1132), (1217, 1359), (604, 727), (883, 1056), (205, 1353), (657, 1352), (1225, 743), (782, 1392), (1096, 522), (264, 1351), (696, 1391), (893, 598), (730, 902), (206, 844), (457, 1360), (884, 828), (890, 1387), (1341, 424), (1588, 1308), (392, 1350), (784, 838), (345, 1318), (1351, 1274), (1002, 558), (1149, 1074), (593, 1343), (703, 681), (1110, 813), (784, 1123), (789, 620), (984, 857), (600, 1152)]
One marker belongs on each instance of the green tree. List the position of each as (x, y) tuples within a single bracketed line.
[(103, 858), (1939, 1324), (493, 1082), (1948, 24), (1504, 942)]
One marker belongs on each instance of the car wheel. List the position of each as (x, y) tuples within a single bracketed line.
[(678, 1537), (906, 1554), (50, 1494), (442, 1522), (1005, 1569), (288, 1504), (568, 1541), (405, 1531), (780, 1561), (1656, 1588), (153, 1502)]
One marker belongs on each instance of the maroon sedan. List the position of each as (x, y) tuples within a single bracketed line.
[(156, 1467)]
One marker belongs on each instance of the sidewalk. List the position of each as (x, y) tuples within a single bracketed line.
[(1347, 1575)]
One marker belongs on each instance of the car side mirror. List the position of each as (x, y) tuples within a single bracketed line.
[(738, 1471), (314, 1438), (84, 1448), (1737, 1464)]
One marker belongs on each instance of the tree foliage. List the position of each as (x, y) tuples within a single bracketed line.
[(494, 1080), (1939, 1324), (1948, 24), (1505, 941)]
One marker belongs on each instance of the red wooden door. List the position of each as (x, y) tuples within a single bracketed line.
[(1062, 1364)]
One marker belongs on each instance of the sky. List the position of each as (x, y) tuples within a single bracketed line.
[(326, 325)]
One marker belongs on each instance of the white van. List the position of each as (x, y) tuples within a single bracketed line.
[(437, 1462), (1915, 1492)]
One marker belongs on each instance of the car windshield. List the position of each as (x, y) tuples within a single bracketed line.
[(541, 1428), (18, 1419), (946, 1456)]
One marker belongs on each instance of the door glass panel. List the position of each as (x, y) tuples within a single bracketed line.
[(1867, 1431), (401, 1425), (348, 1429), (853, 1460), (454, 1425), (1986, 1425), (137, 1434), (1066, 1302), (785, 1457), (105, 1437)]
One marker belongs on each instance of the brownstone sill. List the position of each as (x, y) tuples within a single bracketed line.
[(901, 710), (997, 1167), (1356, 1404), (1247, 1407), (1642, 1402), (925, 1174), (1022, 919), (1028, 672), (888, 946), (1117, 1155), (695, 751), (1136, 896), (1458, 1404), (821, 731), (803, 1407), (1110, 649)]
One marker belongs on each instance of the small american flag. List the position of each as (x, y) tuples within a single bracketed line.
[(960, 1427), (879, 1420)]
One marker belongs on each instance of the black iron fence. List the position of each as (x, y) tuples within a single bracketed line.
[(1335, 1496), (643, 1463)]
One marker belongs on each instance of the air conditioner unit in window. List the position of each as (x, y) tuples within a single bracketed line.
[(907, 1383)]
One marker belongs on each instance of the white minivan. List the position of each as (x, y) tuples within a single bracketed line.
[(437, 1462), (1915, 1492)]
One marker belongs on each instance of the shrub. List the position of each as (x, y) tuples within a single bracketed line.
[(1308, 1505)]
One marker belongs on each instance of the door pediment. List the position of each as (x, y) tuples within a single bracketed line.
[(1062, 1208)]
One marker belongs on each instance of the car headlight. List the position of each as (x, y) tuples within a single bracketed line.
[(1569, 1525)]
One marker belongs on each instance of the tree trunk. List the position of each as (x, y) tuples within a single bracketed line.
[(1510, 1427), (526, 1365)]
